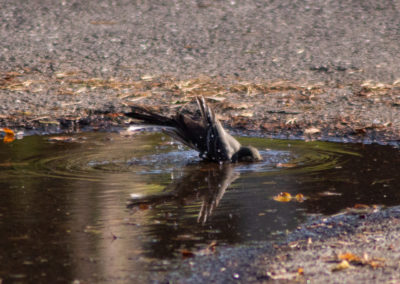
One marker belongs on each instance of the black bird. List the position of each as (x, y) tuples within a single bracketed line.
[(206, 135)]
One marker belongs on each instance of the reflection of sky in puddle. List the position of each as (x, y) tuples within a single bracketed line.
[(66, 202)]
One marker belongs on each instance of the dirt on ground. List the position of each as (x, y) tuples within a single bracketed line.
[(314, 70)]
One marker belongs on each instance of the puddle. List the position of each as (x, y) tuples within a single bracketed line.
[(63, 204)]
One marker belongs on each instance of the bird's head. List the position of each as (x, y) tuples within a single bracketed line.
[(247, 154)]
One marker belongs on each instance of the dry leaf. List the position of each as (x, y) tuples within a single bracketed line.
[(350, 257), (341, 266), (285, 165), (8, 131), (10, 136), (187, 253), (361, 206), (311, 130), (144, 206), (299, 197), (283, 197), (300, 271)]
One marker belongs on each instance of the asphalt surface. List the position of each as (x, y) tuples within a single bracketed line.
[(255, 40)]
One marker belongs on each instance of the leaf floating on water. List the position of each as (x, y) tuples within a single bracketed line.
[(361, 206), (8, 131), (299, 197), (285, 165), (10, 135), (62, 139), (144, 206), (187, 253), (287, 197), (283, 197)]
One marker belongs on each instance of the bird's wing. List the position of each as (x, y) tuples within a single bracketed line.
[(220, 145)]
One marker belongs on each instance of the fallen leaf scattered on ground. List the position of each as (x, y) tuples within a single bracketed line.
[(350, 257), (284, 275), (344, 264), (347, 259), (311, 130)]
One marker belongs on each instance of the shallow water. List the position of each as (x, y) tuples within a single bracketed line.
[(64, 214)]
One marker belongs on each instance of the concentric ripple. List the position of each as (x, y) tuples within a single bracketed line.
[(92, 155)]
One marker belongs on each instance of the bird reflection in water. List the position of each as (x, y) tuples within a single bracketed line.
[(203, 182)]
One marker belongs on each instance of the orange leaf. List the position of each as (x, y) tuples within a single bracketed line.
[(341, 266), (8, 131), (10, 136), (349, 257), (283, 197), (299, 197), (300, 271)]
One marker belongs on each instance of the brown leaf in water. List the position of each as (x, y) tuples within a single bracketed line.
[(187, 253), (144, 206), (361, 206)]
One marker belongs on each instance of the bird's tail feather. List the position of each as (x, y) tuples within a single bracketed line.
[(150, 117), (206, 112)]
